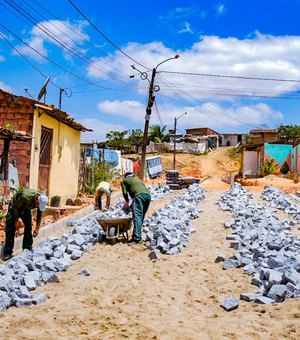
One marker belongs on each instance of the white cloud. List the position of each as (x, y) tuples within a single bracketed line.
[(63, 32), (36, 43), (5, 87), (187, 28), (220, 9), (130, 109), (264, 56), (207, 114), (100, 129)]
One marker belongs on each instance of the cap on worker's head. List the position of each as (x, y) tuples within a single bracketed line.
[(128, 174), (43, 201)]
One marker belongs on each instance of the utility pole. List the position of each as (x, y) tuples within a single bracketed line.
[(151, 99), (174, 149)]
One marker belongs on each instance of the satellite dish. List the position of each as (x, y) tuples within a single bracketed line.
[(44, 90)]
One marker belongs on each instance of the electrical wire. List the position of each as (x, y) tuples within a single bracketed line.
[(105, 37), (51, 61), (52, 35), (82, 37), (15, 49), (221, 122), (230, 76), (71, 29)]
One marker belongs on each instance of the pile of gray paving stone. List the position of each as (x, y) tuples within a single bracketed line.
[(277, 199), (167, 231), (159, 191), (266, 249), (21, 275)]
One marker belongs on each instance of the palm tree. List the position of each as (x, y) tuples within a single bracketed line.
[(157, 133)]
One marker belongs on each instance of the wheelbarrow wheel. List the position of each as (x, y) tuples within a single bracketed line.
[(112, 233)]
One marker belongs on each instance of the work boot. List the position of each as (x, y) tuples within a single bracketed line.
[(133, 242), (7, 257)]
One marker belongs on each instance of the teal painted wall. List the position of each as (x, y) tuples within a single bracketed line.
[(279, 152)]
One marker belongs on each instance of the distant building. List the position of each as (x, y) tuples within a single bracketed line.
[(213, 137), (261, 136), (232, 139)]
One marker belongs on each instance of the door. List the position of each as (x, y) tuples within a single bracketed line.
[(45, 159), (251, 164)]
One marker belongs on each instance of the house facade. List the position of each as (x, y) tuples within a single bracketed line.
[(254, 155), (261, 136), (50, 161), (232, 139)]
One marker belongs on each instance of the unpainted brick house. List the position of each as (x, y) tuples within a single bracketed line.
[(49, 162), (213, 137)]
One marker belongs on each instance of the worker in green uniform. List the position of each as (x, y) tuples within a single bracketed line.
[(21, 204), (137, 190)]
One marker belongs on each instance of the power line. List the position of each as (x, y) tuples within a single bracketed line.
[(52, 35), (230, 76), (244, 123), (71, 29), (105, 37), (51, 61), (77, 33), (40, 72)]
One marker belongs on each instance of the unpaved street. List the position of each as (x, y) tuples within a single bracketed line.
[(177, 297)]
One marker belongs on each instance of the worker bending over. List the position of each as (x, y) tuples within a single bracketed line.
[(102, 189), (21, 204)]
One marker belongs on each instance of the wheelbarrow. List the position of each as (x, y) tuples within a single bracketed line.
[(114, 227)]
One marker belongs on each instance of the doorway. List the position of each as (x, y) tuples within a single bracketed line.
[(45, 159)]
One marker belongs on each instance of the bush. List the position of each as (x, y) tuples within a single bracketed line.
[(285, 169), (268, 167), (234, 154), (101, 172)]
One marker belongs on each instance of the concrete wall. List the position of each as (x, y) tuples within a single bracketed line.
[(65, 157), (280, 152), (250, 163), (296, 159)]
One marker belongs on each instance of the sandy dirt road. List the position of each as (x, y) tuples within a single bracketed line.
[(177, 297)]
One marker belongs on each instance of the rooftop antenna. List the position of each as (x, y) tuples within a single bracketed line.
[(68, 94), (26, 90), (43, 90)]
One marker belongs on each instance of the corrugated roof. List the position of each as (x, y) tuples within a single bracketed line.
[(60, 116)]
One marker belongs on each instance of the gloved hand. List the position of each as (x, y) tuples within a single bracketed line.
[(126, 207), (36, 231)]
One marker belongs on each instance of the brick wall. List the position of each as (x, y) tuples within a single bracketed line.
[(18, 112)]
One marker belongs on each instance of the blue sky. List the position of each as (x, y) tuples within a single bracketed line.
[(239, 64)]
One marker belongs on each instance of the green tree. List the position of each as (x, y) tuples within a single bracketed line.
[(116, 139), (135, 138), (289, 132), (158, 133)]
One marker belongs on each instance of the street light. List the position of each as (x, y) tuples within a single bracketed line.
[(151, 99), (175, 126)]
